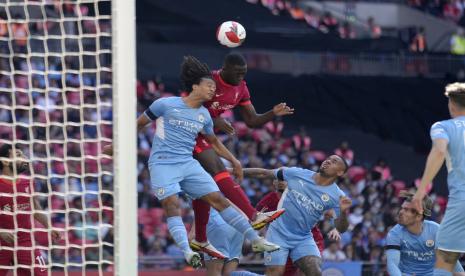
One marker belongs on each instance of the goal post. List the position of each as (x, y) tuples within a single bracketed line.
[(67, 88), (125, 137)]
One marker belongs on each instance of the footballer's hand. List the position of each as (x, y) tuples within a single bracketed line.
[(334, 235), (56, 236), (223, 125), (7, 237), (417, 202), (344, 203), (282, 109), (237, 170), (108, 150)]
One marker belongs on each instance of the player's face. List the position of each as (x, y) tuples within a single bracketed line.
[(281, 185), (21, 161), (407, 214), (206, 88), (333, 166), (234, 74)]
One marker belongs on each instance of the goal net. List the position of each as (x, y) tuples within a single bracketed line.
[(60, 105)]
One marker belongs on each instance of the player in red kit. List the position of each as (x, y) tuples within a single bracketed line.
[(16, 216), (271, 201), (231, 92)]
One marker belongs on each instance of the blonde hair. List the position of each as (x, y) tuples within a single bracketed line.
[(456, 93)]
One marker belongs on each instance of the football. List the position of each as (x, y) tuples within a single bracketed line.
[(231, 34)]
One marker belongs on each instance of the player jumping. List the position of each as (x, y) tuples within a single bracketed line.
[(448, 144), (231, 91), (308, 195), (172, 168)]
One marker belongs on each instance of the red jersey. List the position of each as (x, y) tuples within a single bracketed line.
[(227, 96), (23, 202)]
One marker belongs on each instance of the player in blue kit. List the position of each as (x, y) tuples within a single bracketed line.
[(172, 167), (308, 195), (410, 245), (448, 138)]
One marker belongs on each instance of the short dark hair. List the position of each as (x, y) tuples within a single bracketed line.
[(456, 93), (233, 59), (4, 152), (345, 163), (192, 72)]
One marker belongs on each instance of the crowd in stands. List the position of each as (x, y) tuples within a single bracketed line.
[(373, 188), (61, 110)]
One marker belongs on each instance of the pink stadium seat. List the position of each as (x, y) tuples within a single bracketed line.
[(157, 215)]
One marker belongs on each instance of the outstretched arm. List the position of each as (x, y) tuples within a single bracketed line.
[(142, 122), (254, 120), (434, 162), (259, 173), (222, 151), (342, 223)]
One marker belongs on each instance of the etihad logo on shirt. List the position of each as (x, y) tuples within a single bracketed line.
[(306, 202), (186, 125)]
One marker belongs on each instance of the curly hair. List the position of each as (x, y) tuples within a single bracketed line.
[(4, 152), (192, 72)]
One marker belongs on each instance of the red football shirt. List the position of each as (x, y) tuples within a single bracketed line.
[(227, 96), (23, 202)]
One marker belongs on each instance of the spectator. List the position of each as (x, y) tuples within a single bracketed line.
[(457, 42), (373, 30), (346, 153), (418, 43), (333, 253), (328, 24), (346, 31)]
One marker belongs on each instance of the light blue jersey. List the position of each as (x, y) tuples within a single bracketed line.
[(453, 131), (172, 167), (224, 237), (417, 256), (451, 234), (177, 128), (305, 202)]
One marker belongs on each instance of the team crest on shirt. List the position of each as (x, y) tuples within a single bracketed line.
[(160, 191), (430, 243), (201, 118), (325, 197), (268, 258)]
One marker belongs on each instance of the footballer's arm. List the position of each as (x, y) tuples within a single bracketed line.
[(254, 120)]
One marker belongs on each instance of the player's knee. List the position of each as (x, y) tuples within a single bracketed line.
[(447, 257), (310, 265), (171, 206), (217, 201)]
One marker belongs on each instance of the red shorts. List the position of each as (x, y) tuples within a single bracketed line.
[(24, 257), (201, 144), (291, 269)]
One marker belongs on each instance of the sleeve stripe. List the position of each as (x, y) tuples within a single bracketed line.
[(280, 175), (246, 102), (150, 114), (396, 247)]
